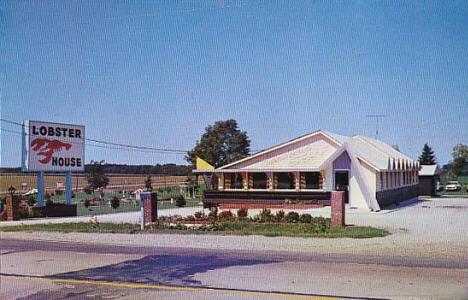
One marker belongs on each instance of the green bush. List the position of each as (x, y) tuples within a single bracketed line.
[(305, 218), (213, 215), (31, 200), (87, 203), (199, 214), (47, 196), (115, 202), (49, 202), (180, 201), (292, 217)]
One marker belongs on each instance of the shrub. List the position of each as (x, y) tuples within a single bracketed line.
[(266, 216), (225, 215), (31, 201), (115, 202), (73, 195), (213, 215), (87, 190), (190, 218), (280, 216), (180, 201), (49, 202), (58, 192), (242, 212), (47, 196), (199, 214), (305, 218), (292, 217), (23, 210), (87, 203)]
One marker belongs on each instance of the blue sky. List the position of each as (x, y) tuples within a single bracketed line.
[(157, 73)]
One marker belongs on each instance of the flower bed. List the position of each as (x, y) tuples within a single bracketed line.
[(227, 220)]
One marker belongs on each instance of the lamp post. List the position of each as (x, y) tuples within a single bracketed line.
[(11, 190)]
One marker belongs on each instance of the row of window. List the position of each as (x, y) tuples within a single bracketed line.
[(389, 180), (281, 180)]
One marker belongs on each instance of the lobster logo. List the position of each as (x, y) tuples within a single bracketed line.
[(48, 147)]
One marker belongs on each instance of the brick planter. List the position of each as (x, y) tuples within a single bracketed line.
[(57, 210), (269, 206)]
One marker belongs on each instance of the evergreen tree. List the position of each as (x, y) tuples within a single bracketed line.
[(427, 157)]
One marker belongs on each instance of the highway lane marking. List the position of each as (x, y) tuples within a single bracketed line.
[(162, 287)]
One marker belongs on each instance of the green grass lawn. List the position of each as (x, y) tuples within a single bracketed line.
[(235, 228)]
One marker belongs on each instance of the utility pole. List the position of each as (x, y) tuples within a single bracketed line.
[(377, 122)]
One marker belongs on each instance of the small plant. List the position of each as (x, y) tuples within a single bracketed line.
[(213, 215), (225, 215), (47, 196), (73, 195), (287, 201), (180, 201), (305, 218), (199, 214), (87, 203), (115, 202), (23, 210), (49, 202), (292, 217), (266, 216), (280, 215), (242, 212)]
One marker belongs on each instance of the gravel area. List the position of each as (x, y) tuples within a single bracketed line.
[(426, 228)]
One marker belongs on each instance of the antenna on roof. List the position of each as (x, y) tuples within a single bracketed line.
[(377, 122)]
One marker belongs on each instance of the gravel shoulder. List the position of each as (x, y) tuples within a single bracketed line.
[(425, 228)]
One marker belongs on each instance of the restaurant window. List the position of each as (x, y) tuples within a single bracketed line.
[(311, 180), (285, 180)]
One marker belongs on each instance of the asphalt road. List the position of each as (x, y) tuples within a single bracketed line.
[(65, 270)]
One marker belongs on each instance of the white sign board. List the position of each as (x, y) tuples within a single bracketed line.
[(53, 147)]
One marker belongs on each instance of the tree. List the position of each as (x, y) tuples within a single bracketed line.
[(427, 157), (460, 161), (96, 177), (221, 144), (148, 184)]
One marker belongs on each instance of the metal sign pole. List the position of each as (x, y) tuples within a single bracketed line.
[(68, 187), (40, 189)]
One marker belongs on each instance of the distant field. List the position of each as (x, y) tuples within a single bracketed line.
[(117, 182)]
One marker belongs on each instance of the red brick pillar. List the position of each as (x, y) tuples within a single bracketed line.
[(151, 208), (12, 207), (337, 209)]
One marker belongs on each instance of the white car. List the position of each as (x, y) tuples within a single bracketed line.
[(452, 186)]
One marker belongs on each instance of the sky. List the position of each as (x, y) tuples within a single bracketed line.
[(157, 73)]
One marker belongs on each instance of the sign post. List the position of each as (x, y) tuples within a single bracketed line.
[(40, 189), (68, 187)]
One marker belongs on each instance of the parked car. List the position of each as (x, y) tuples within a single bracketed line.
[(439, 187), (452, 186)]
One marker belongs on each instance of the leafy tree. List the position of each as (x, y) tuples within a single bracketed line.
[(96, 177), (221, 144), (460, 161), (427, 157), (148, 184)]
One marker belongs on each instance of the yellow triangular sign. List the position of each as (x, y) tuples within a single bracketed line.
[(203, 165)]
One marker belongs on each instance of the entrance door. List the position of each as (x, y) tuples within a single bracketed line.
[(342, 182)]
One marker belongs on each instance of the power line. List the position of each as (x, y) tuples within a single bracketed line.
[(151, 149)]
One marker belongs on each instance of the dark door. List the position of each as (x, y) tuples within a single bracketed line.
[(342, 182)]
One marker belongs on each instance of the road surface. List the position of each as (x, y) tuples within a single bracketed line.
[(38, 269)]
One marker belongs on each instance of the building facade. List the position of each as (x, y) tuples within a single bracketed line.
[(372, 173)]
